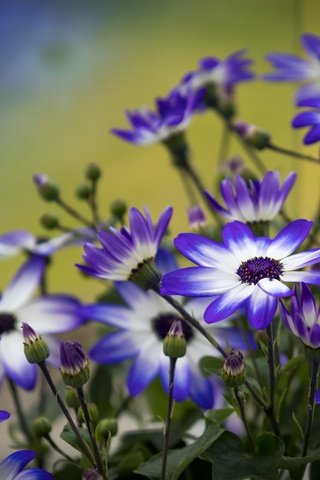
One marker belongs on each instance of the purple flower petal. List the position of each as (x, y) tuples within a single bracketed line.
[(113, 315), (315, 336), (311, 44), (223, 306), (143, 370), (4, 415), (34, 474), (312, 277), (301, 259), (288, 239), (240, 240), (312, 136), (14, 463), (201, 390), (261, 309), (114, 348), (162, 224), (14, 242), (274, 287), (305, 119)]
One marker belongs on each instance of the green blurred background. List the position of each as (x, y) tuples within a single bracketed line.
[(71, 69)]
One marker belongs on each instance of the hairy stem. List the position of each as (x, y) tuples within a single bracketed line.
[(166, 434)]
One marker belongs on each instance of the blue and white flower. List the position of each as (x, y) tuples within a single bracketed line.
[(47, 315), (254, 200), (292, 68), (303, 319), (126, 252), (172, 117), (309, 118), (4, 415), (243, 271), (141, 327)]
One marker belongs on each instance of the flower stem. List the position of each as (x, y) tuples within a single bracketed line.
[(271, 365), (311, 403), (93, 202), (84, 446), (224, 144), (237, 395), (89, 425), (21, 417), (73, 213), (58, 449), (166, 434), (292, 153)]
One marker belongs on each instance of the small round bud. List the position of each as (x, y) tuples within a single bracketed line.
[(118, 208), (83, 192), (233, 371), (253, 135), (36, 349), (47, 190), (49, 222), (197, 218), (74, 364), (105, 427), (71, 398), (174, 344), (41, 427), (93, 172), (93, 412)]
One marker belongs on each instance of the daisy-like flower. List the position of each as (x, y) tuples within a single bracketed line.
[(245, 271), (303, 319), (47, 315), (172, 117), (292, 68), (142, 326), (128, 254), (11, 468), (254, 200), (309, 118)]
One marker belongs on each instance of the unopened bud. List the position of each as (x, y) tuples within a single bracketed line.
[(93, 413), (252, 134), (71, 398), (47, 190), (83, 192), (93, 172), (174, 344), (91, 475), (197, 218), (74, 364), (49, 222), (41, 427), (106, 427), (118, 208), (233, 370), (36, 349)]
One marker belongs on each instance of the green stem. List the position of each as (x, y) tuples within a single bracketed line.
[(93, 203), (314, 371), (61, 452), (271, 365), (166, 434), (88, 423), (84, 446), (22, 419), (224, 144), (292, 153), (73, 213), (237, 395)]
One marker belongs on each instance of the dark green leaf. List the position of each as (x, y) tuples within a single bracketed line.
[(69, 436), (101, 388), (209, 365)]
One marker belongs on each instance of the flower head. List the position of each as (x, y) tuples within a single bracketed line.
[(255, 200), (172, 117), (309, 118), (74, 364), (46, 315), (292, 68), (128, 253), (245, 271), (303, 319)]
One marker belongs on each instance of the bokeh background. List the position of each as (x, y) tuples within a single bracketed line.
[(69, 70)]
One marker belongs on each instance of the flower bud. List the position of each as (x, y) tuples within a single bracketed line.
[(253, 135), (74, 364), (118, 208), (197, 218), (105, 427), (91, 475), (93, 172), (174, 344), (48, 191), (36, 349), (41, 427), (71, 398), (93, 412), (83, 192), (49, 222), (233, 371)]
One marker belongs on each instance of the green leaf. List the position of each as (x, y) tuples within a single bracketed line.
[(101, 388), (218, 416), (315, 471), (68, 471), (209, 365), (230, 462), (179, 459), (69, 436)]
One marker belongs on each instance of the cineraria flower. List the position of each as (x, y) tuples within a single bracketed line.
[(11, 468), (172, 117), (245, 271), (47, 315), (254, 200), (222, 75), (309, 118), (303, 320), (292, 68), (128, 254), (141, 329)]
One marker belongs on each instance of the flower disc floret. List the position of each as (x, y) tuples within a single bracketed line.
[(254, 269)]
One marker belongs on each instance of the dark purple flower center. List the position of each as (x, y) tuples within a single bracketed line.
[(257, 268), (161, 326), (7, 322)]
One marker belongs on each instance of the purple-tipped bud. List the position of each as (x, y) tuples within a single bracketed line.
[(40, 179), (35, 348), (174, 344), (252, 134), (74, 364), (233, 371), (196, 217), (234, 165), (47, 190), (91, 475)]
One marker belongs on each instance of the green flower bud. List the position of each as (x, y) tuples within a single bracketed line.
[(93, 172), (71, 398), (105, 427), (83, 192), (41, 427), (118, 208), (93, 412), (36, 349), (233, 371), (253, 135), (174, 344), (74, 364), (49, 222)]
